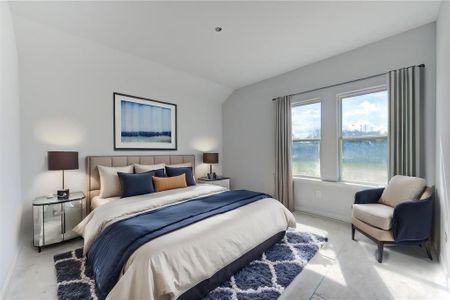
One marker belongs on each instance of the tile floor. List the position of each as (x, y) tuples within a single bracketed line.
[(343, 269)]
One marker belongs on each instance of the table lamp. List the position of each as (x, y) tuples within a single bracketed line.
[(61, 161), (211, 158)]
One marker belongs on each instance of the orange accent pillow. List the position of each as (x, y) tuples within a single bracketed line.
[(169, 183)]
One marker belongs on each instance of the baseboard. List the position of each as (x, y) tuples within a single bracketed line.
[(9, 274), (321, 214), (444, 267)]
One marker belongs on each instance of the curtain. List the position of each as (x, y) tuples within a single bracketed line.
[(283, 151), (405, 93)]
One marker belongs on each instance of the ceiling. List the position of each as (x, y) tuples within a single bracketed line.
[(259, 39)]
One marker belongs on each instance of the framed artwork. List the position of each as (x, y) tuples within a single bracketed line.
[(144, 124)]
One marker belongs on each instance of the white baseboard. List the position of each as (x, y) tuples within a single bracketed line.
[(443, 264), (9, 274), (324, 215)]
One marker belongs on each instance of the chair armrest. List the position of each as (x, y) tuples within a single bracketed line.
[(368, 196), (412, 221)]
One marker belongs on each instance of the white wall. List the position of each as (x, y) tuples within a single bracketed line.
[(67, 86), (443, 129), (248, 116), (9, 146)]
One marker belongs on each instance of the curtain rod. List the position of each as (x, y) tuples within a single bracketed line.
[(345, 82)]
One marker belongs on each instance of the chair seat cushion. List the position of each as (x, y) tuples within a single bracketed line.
[(377, 215), (401, 189)]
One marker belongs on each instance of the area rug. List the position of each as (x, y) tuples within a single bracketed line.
[(264, 278)]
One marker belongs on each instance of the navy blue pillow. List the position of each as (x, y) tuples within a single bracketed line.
[(170, 171), (139, 183), (157, 173)]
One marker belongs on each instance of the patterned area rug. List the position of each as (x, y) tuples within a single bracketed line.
[(265, 278)]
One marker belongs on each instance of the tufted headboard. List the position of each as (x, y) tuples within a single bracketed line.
[(121, 160)]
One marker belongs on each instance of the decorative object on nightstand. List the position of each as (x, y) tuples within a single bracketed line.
[(54, 219), (219, 180), (211, 158), (61, 161)]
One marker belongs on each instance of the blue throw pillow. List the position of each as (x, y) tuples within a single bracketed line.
[(139, 183), (170, 171)]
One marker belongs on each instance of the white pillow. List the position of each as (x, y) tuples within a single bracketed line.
[(109, 180), (185, 165), (145, 168), (401, 189)]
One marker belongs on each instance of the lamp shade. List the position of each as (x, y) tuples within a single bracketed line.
[(62, 160), (211, 158)]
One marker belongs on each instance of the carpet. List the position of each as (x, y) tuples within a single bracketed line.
[(265, 278)]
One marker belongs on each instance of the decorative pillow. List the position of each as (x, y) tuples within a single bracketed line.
[(170, 171), (169, 183), (401, 189), (158, 173), (109, 180), (136, 184), (145, 168), (184, 165)]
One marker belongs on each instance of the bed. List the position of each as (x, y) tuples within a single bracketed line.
[(186, 262)]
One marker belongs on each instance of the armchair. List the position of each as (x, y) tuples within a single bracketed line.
[(407, 220)]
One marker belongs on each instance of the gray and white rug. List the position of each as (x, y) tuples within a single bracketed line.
[(265, 278)]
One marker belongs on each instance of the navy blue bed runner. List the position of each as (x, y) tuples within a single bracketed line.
[(112, 248)]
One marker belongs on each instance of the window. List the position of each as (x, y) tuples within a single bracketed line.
[(363, 136), (306, 138)]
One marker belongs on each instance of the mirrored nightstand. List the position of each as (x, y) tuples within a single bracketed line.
[(54, 219), (221, 181)]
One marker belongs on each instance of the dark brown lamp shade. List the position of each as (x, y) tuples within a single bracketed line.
[(211, 158), (62, 160)]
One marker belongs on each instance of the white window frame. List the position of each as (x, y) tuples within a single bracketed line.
[(302, 103), (340, 97)]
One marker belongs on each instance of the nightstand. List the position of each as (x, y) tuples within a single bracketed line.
[(54, 219), (221, 181)]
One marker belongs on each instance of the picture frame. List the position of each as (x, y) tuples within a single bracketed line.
[(143, 124)]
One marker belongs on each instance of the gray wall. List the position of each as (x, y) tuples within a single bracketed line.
[(248, 115), (67, 85), (9, 146), (443, 129)]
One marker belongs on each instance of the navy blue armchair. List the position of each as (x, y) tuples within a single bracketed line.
[(408, 222)]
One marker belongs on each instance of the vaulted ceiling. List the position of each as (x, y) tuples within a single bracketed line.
[(259, 39)]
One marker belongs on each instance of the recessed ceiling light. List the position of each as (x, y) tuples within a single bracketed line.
[(218, 29)]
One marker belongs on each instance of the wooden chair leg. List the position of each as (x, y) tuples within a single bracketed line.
[(428, 249), (353, 232), (380, 252)]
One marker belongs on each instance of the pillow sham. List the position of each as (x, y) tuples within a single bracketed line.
[(133, 184), (169, 183), (170, 171), (109, 180), (138, 168), (183, 165)]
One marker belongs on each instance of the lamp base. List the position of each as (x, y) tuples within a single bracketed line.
[(212, 175), (63, 194)]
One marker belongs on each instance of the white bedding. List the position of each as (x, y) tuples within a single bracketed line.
[(98, 201), (166, 267)]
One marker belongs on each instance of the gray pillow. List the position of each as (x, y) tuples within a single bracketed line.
[(145, 168)]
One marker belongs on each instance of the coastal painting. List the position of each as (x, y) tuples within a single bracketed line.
[(144, 124)]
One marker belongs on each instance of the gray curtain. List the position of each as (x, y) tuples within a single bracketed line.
[(405, 93), (283, 151)]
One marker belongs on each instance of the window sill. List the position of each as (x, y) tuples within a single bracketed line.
[(340, 183)]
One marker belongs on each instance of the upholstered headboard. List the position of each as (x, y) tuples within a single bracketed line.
[(118, 161)]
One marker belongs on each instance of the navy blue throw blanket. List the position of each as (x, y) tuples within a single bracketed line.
[(112, 248)]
